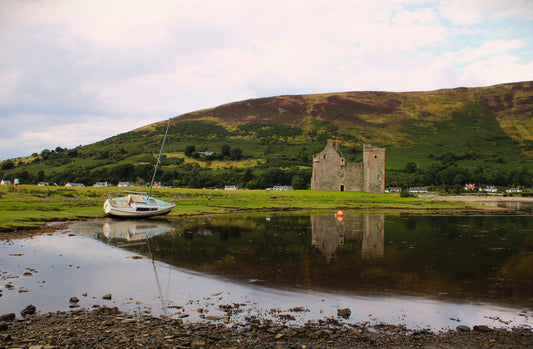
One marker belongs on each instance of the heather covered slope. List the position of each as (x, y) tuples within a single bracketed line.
[(494, 120), (448, 136)]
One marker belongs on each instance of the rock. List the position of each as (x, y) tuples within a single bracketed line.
[(345, 312), (108, 311), (107, 296), (214, 317), (483, 328), (462, 328), (3, 326), (74, 300), (7, 317), (298, 309), (29, 310)]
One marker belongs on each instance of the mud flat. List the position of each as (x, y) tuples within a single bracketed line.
[(109, 328)]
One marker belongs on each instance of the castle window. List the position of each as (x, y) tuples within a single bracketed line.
[(375, 156), (324, 156)]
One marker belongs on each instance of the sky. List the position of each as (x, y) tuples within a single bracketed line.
[(76, 72)]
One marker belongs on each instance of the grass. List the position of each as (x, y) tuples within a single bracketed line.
[(32, 206)]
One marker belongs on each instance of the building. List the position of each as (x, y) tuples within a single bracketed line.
[(491, 189), (394, 190), (470, 186), (205, 153), (100, 184), (69, 184), (418, 191), (282, 187), (332, 172), (5, 182)]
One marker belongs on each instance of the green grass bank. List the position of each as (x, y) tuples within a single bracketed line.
[(32, 206)]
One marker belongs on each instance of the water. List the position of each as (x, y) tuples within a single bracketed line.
[(423, 271)]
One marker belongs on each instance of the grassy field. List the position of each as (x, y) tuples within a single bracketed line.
[(33, 206)]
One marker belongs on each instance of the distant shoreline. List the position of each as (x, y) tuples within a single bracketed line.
[(471, 198)]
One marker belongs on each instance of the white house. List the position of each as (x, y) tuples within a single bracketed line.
[(69, 184), (418, 190), (5, 182), (282, 187), (491, 189)]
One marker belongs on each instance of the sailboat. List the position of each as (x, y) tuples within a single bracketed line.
[(138, 204)]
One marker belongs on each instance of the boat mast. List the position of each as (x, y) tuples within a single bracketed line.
[(159, 159)]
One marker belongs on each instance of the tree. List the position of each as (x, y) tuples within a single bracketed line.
[(40, 176), (225, 149), (409, 167), (235, 154), (8, 165), (189, 150)]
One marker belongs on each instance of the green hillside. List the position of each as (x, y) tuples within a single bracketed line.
[(445, 137)]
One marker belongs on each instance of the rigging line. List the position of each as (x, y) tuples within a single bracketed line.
[(159, 158), (157, 278)]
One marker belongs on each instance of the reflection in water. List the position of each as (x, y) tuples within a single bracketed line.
[(438, 259), (524, 206), (330, 233), (134, 230), (457, 257)]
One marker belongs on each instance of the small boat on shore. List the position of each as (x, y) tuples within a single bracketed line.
[(137, 204)]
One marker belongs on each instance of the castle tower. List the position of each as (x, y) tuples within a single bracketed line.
[(374, 169), (332, 172), (328, 168)]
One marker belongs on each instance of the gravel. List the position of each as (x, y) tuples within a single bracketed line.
[(107, 327)]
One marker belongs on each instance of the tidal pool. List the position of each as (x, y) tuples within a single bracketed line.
[(434, 272)]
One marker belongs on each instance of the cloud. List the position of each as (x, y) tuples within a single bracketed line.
[(469, 12), (502, 68), (490, 48), (91, 64), (49, 134)]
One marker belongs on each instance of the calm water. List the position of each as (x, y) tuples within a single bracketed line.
[(418, 270)]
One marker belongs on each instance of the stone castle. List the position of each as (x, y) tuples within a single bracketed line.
[(331, 172)]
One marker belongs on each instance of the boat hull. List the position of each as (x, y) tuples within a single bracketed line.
[(112, 207)]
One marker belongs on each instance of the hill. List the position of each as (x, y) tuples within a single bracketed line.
[(444, 137)]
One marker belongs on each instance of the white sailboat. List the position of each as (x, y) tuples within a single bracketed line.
[(137, 204)]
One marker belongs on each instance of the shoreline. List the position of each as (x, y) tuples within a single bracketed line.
[(472, 198), (111, 328)]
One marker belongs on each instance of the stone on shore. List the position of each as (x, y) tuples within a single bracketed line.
[(29, 310), (345, 312)]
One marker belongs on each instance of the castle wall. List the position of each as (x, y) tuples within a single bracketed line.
[(374, 169), (331, 172), (354, 175)]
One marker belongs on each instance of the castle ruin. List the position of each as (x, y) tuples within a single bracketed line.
[(332, 172)]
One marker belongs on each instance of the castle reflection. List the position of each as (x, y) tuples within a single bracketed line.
[(330, 233)]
